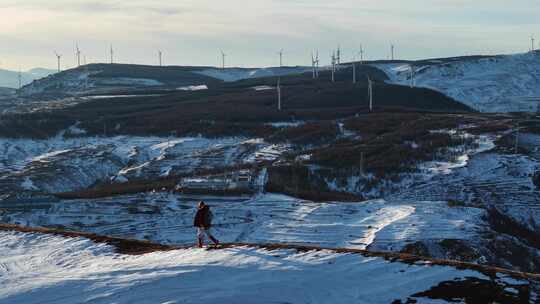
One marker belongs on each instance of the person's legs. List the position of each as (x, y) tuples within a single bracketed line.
[(210, 236), (200, 237)]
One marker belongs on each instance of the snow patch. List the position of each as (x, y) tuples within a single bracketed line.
[(28, 185), (193, 88)]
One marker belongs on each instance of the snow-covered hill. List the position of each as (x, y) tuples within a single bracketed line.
[(106, 78), (37, 268), (268, 218), (27, 164), (492, 84)]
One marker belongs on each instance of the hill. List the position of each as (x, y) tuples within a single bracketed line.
[(109, 78), (219, 109), (504, 83), (77, 270)]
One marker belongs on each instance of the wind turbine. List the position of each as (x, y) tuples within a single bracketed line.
[(317, 64), (370, 93), (78, 54), (361, 54), (278, 87), (58, 56), (337, 59), (532, 43), (112, 54), (333, 65), (354, 70), (392, 51), (223, 55), (160, 54), (280, 58), (20, 79), (313, 65)]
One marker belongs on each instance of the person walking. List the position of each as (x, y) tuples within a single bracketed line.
[(203, 222)]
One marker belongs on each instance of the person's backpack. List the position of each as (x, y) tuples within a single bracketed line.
[(208, 217)]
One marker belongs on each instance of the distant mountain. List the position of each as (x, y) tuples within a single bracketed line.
[(10, 79), (109, 78)]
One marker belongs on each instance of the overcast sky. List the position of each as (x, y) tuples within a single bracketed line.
[(251, 32)]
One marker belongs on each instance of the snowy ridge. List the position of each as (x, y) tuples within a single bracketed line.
[(496, 84), (39, 268)]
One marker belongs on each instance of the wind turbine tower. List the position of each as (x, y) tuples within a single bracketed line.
[(280, 58), (532, 43), (313, 66), (160, 54), (317, 64), (338, 55), (353, 72), (223, 55), (333, 66), (112, 54), (20, 79), (361, 54), (279, 93), (78, 54), (392, 51), (370, 94), (58, 57)]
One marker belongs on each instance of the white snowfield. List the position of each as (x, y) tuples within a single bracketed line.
[(44, 269), (509, 83), (268, 218)]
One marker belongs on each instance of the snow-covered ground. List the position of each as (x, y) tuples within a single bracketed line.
[(531, 143), (266, 218), (86, 160), (454, 158), (499, 84), (193, 88), (44, 269)]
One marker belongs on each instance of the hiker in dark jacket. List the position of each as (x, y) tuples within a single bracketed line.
[(203, 222)]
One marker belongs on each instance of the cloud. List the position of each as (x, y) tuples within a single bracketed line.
[(191, 30)]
